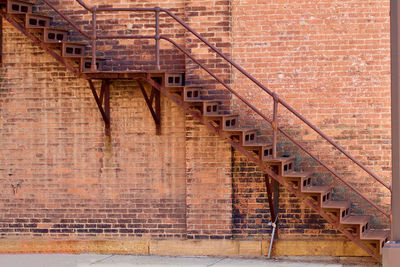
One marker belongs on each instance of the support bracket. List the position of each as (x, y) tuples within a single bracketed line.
[(154, 104), (103, 100)]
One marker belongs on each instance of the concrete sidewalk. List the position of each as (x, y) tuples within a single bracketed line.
[(95, 260)]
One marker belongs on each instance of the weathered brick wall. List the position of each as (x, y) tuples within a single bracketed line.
[(62, 178), (330, 60)]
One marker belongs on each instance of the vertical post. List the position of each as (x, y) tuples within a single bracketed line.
[(275, 125), (94, 37), (1, 41), (107, 104), (391, 250), (157, 37)]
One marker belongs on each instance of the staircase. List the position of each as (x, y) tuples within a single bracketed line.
[(73, 55)]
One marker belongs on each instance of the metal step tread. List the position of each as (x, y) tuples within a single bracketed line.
[(295, 174), (41, 15), (18, 1), (75, 43), (316, 189), (222, 115), (58, 28), (257, 145), (279, 159), (203, 100), (356, 219), (241, 129), (333, 204), (373, 234)]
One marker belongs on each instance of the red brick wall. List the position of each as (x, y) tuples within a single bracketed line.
[(71, 181), (329, 60)]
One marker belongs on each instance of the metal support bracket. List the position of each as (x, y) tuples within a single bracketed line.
[(1, 41), (154, 104), (103, 101), (273, 201)]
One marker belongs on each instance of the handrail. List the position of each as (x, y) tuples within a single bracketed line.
[(157, 37)]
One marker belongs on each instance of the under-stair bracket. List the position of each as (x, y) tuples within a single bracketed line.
[(1, 41), (153, 103), (103, 100)]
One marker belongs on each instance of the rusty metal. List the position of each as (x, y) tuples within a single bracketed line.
[(105, 111), (155, 112), (94, 33), (255, 159), (275, 126), (270, 198), (157, 37), (38, 42), (1, 41), (395, 74), (133, 37)]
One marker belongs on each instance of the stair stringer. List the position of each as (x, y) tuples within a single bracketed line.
[(41, 44), (266, 170)]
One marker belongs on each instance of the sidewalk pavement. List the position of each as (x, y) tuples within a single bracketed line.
[(96, 260)]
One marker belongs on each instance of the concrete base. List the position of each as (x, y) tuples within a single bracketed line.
[(391, 254), (336, 248)]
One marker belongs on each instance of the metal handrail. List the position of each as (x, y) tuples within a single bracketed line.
[(158, 37)]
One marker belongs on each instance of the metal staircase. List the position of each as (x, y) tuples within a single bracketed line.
[(74, 56)]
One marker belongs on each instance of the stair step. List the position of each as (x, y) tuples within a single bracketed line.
[(356, 219), (285, 164), (55, 35), (371, 234), (35, 21), (19, 7), (247, 136), (317, 189), (191, 94), (294, 174), (333, 204), (73, 49), (174, 79), (86, 63)]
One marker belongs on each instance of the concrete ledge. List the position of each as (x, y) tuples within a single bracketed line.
[(337, 248)]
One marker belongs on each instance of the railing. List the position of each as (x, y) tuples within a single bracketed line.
[(157, 37)]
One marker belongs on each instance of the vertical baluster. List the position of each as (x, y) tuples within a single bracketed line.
[(275, 125), (94, 37), (157, 37)]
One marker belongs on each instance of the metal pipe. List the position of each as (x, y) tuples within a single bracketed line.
[(395, 94), (275, 126), (87, 36), (183, 50), (273, 224), (94, 37), (157, 37), (84, 5)]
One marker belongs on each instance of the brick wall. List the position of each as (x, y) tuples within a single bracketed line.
[(61, 177), (330, 60)]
